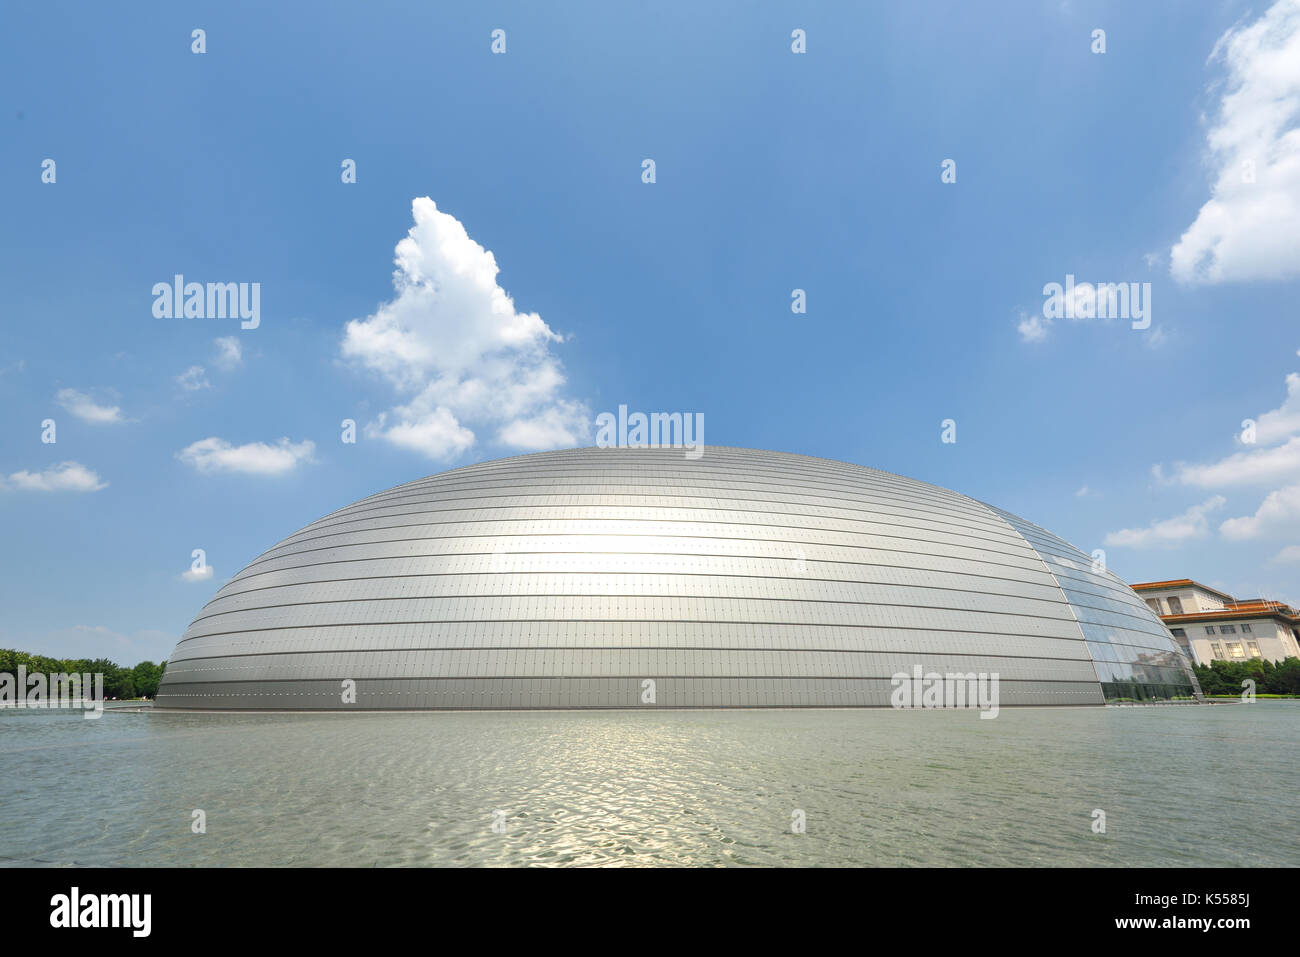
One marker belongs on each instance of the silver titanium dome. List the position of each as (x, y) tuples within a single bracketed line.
[(738, 579)]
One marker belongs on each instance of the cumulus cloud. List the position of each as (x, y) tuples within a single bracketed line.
[(1279, 512), (193, 379), (255, 458), (86, 408), (1169, 531), (1289, 554), (199, 575), (453, 345), (64, 477), (230, 353), (1250, 227)]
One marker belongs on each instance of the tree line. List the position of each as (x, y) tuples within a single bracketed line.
[(1225, 677), (138, 682)]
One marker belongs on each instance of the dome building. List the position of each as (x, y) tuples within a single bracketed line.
[(642, 578)]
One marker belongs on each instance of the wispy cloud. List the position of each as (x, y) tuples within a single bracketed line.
[(1284, 421), (1256, 467), (193, 379), (1033, 327), (454, 343), (1169, 531), (1278, 514), (88, 409), (230, 353), (1259, 462), (255, 458), (64, 477), (94, 641)]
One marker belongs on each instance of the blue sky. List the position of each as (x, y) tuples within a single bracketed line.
[(774, 171)]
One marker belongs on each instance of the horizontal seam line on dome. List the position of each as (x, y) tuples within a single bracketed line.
[(630, 649), (577, 489), (899, 491), (802, 528), (963, 505), (535, 491), (1030, 566), (686, 508), (456, 555), (632, 621), (684, 575), (816, 601), (724, 464)]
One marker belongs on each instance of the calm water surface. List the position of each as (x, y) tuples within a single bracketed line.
[(1210, 785)]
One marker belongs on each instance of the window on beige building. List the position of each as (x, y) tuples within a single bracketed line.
[(1175, 606)]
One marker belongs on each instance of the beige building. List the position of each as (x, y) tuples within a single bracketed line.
[(1210, 624)]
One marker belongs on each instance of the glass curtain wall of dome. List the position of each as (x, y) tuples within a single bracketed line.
[(643, 578)]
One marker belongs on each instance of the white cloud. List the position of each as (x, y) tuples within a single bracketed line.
[(1279, 512), (1169, 531), (1256, 463), (86, 408), (1252, 467), (453, 343), (202, 575), (230, 353), (255, 458), (1033, 327), (64, 477), (1289, 554), (1277, 424), (193, 379), (1085, 492), (551, 428), (1251, 230), (432, 431)]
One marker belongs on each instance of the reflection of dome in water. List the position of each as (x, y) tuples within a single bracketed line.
[(740, 578)]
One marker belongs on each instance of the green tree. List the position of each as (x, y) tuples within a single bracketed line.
[(146, 676)]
